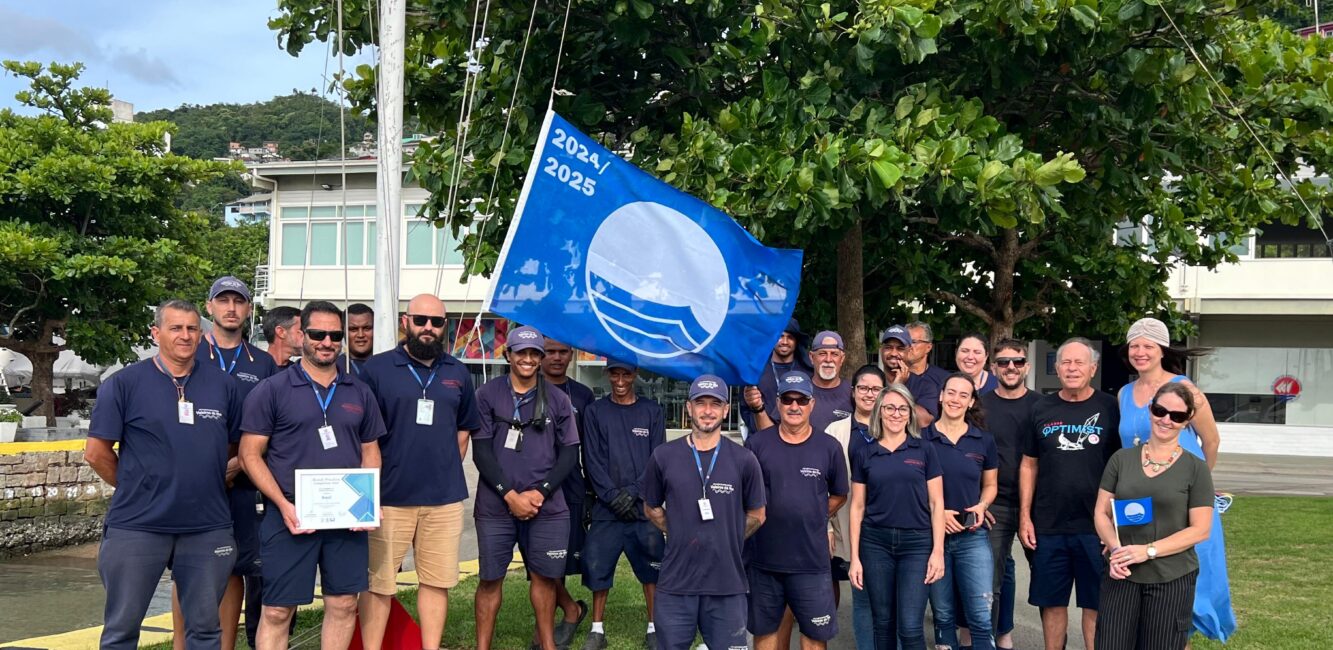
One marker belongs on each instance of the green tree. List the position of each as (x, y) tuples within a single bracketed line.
[(90, 238), (970, 158)]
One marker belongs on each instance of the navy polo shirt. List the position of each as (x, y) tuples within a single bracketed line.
[(896, 483), (799, 479), (963, 464), (618, 439), (246, 364), (925, 388), (171, 477), (580, 396), (525, 468), (284, 409), (421, 462), (354, 367), (703, 558), (859, 439), (831, 405)]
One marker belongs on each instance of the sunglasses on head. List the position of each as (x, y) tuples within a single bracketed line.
[(1159, 411), (420, 320), (319, 335), (1017, 362), (789, 399)]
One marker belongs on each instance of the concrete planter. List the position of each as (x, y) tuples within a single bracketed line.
[(8, 430), (34, 422)]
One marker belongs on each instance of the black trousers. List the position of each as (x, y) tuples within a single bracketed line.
[(1133, 616)]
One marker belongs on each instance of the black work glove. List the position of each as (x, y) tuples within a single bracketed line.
[(623, 506)]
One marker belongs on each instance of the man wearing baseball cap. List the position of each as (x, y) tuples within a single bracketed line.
[(806, 475), (707, 494), (761, 401), (525, 448), (620, 432), (897, 354), (229, 307), (832, 395)]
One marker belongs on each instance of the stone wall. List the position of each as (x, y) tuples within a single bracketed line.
[(49, 499)]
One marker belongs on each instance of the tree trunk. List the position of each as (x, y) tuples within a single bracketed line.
[(43, 378), (851, 301)]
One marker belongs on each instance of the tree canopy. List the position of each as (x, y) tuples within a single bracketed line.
[(90, 237), (979, 155)]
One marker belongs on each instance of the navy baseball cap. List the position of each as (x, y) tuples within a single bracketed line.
[(709, 386), (526, 338), (827, 340), (793, 328), (612, 364), (229, 283), (897, 333), (795, 381)]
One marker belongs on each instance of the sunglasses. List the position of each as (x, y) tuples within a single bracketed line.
[(790, 399), (1017, 362), (319, 335), (1159, 411), (420, 320)]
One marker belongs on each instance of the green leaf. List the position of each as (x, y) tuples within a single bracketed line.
[(887, 173), (904, 107), (1085, 16), (744, 158), (805, 179), (929, 27), (775, 83), (642, 9)]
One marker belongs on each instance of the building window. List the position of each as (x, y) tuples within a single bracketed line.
[(335, 233), (428, 245), (1269, 385)]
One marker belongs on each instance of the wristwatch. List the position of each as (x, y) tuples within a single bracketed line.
[(1152, 551)]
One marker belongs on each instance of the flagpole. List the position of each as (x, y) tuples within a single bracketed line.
[(389, 179), (1115, 524)]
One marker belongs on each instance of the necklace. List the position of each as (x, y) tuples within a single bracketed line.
[(1156, 466)]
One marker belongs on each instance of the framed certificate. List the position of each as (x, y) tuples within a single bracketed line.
[(338, 498)]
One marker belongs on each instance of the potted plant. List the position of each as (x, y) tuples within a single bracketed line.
[(9, 425)]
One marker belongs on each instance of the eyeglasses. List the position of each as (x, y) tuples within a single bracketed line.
[(896, 410), (920, 341), (1017, 362), (420, 320), (790, 399), (319, 335), (1159, 411), (868, 390)]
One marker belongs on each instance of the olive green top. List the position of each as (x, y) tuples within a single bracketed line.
[(1184, 485)]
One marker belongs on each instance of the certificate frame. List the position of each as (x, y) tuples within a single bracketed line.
[(338, 499)]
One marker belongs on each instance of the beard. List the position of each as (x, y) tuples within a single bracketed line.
[(422, 350), (311, 353)]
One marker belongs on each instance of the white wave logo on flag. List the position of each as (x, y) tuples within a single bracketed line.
[(662, 300)]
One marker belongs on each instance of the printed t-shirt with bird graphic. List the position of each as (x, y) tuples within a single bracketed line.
[(1072, 442)]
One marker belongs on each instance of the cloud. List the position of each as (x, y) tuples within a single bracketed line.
[(144, 67), (27, 36)]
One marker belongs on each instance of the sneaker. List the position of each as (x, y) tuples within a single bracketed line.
[(650, 641), (564, 631), (595, 641)]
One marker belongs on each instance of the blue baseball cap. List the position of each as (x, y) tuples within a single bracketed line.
[(795, 381), (229, 283), (709, 386), (793, 328), (896, 333), (827, 340), (526, 338), (612, 364)]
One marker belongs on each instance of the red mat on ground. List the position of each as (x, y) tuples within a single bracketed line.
[(401, 633)]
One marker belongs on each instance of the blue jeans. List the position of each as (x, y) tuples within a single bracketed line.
[(893, 561), (967, 576), (863, 626)]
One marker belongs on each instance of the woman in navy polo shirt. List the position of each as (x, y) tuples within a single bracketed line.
[(970, 463), (897, 522)]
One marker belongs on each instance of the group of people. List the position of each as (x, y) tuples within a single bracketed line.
[(908, 481)]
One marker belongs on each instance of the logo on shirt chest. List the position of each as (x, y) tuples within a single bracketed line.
[(914, 462), (840, 414), (722, 488), (811, 472), (451, 383), (975, 457), (640, 432), (1070, 437), (354, 409), (247, 377), (208, 414)]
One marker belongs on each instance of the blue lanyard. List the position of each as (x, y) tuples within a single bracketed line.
[(519, 400), (327, 399), (424, 385), (180, 385), (222, 364), (699, 463), (865, 433)]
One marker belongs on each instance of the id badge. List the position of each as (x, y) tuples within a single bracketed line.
[(513, 439), (185, 412), (705, 509), (327, 438), (425, 412)]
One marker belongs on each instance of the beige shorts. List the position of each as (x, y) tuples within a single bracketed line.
[(433, 532)]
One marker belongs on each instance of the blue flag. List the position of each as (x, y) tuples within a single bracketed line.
[(1132, 512), (606, 258)]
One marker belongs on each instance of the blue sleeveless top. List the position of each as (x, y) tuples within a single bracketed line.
[(1136, 423)]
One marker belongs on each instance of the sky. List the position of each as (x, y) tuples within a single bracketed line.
[(162, 53)]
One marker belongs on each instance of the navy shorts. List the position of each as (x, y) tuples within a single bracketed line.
[(809, 595), (577, 538), (543, 543), (1064, 561), (289, 561), (720, 620), (640, 541), (245, 528)]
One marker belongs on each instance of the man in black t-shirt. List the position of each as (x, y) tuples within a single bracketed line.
[(1008, 411), (1073, 434)]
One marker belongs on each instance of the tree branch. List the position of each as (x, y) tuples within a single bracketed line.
[(966, 304)]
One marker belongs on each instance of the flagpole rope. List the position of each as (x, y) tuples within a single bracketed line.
[(314, 178), (559, 53), (342, 209), (1237, 112)]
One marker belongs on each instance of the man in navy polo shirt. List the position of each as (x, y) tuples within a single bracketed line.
[(555, 368), (526, 446), (229, 308), (309, 416), (902, 354), (707, 494), (177, 422), (428, 405), (360, 338), (805, 474), (621, 431), (282, 333), (832, 395)]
